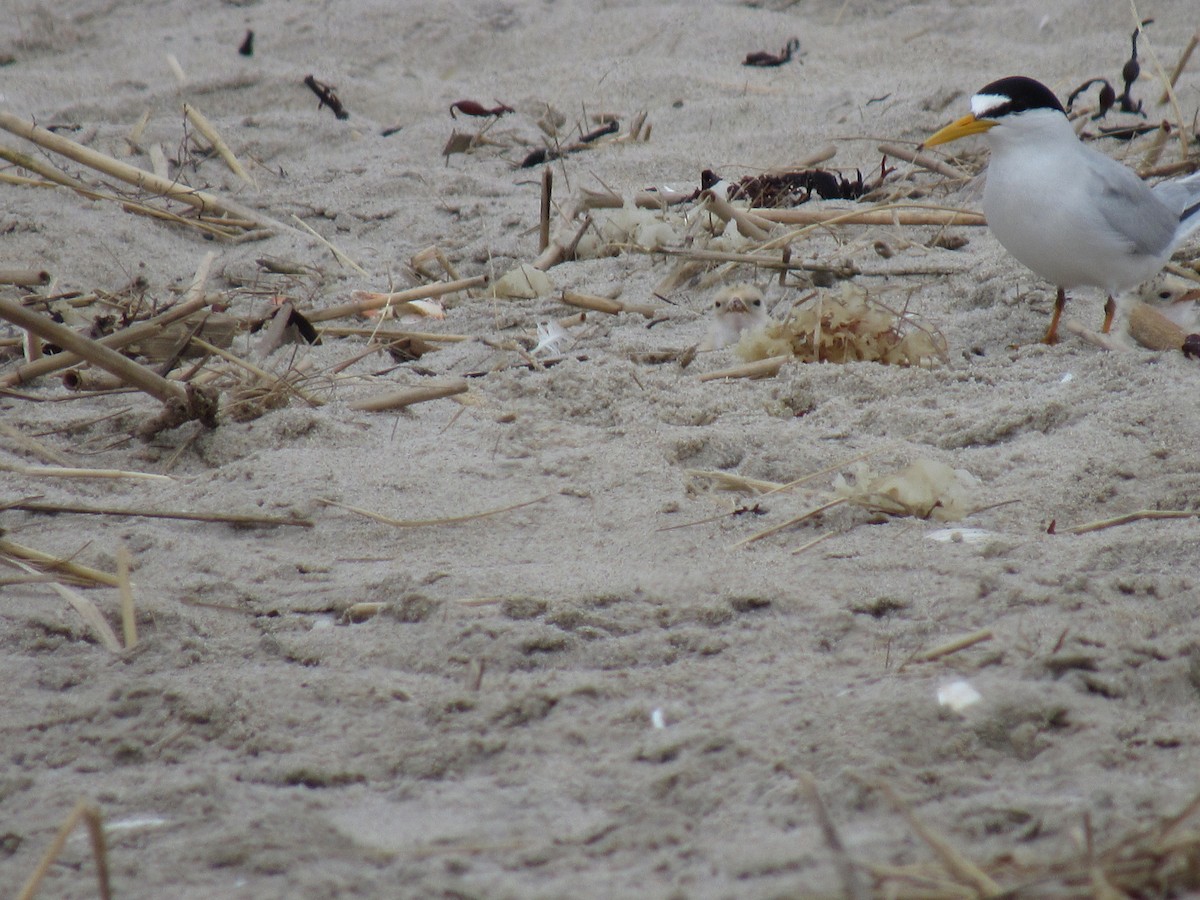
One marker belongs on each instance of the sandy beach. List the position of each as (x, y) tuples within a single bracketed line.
[(528, 639)]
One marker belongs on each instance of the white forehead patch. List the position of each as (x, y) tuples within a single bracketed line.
[(982, 104)]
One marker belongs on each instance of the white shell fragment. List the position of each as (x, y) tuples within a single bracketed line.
[(958, 695), (656, 718), (523, 283)]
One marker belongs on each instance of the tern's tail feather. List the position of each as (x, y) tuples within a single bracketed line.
[(1183, 196)]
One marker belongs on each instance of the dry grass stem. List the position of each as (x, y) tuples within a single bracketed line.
[(379, 301), (24, 277), (852, 885), (263, 374), (181, 404), (338, 254), (387, 337), (606, 305), (762, 260), (408, 397), (1180, 66), (954, 646), (89, 613), (955, 863), (128, 615), (32, 445), (236, 519), (547, 200), (760, 368), (1130, 517), (148, 181), (752, 226), (808, 545), (90, 815), (193, 301), (790, 523), (886, 215), (68, 472), (427, 523), (730, 481), (210, 133), (924, 160)]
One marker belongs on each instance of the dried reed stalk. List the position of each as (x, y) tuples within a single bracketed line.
[(193, 301), (140, 178), (924, 160), (90, 815), (1179, 67), (410, 396), (128, 615), (544, 217), (760, 368), (210, 133), (750, 225), (954, 646), (68, 472), (268, 377), (237, 519), (43, 561), (426, 523), (1130, 517), (385, 336), (97, 354), (24, 277), (761, 260), (33, 445), (424, 292), (606, 304), (894, 215), (796, 520)]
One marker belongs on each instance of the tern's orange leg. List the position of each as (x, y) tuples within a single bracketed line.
[(1110, 310), (1060, 302)]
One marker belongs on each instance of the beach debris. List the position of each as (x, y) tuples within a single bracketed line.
[(326, 96), (246, 48), (763, 59), (792, 187), (958, 695), (525, 282), (1108, 97), (472, 108), (925, 489), (847, 328), (656, 718), (550, 337), (736, 309), (611, 129)]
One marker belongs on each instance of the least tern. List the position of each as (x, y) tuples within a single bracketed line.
[(1068, 212), (736, 309)]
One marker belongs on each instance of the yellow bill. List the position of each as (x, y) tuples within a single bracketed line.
[(964, 127)]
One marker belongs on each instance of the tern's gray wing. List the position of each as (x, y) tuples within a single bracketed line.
[(1132, 210)]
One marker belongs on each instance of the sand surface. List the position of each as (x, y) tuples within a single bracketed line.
[(574, 697)]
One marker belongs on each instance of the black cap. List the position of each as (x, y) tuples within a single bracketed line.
[(1022, 94)]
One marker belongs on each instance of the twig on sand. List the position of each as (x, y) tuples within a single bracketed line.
[(426, 523), (1130, 517), (237, 519), (760, 368), (378, 301), (410, 396)]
